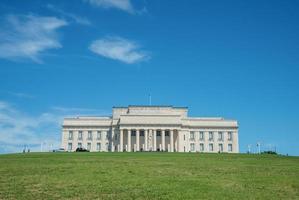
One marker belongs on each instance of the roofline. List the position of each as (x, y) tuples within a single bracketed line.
[(119, 107), (163, 106), (151, 115), (86, 116), (209, 119)]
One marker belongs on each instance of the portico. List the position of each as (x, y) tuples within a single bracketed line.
[(132, 140)]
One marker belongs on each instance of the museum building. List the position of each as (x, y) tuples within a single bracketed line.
[(150, 128)]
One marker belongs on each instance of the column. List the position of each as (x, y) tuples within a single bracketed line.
[(155, 140), (235, 142), (129, 140), (145, 140), (121, 136), (171, 140), (163, 140), (176, 142), (112, 139), (151, 141), (137, 140)]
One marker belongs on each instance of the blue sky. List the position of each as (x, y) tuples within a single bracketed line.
[(235, 59)]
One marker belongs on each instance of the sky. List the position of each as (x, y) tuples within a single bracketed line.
[(232, 59)]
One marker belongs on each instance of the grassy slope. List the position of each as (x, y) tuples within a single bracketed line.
[(148, 176)]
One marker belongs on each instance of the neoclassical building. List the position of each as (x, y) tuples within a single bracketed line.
[(150, 128)]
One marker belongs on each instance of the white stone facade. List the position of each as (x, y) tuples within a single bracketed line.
[(150, 128)]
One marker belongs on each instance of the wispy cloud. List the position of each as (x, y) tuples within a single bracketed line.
[(119, 49), (75, 18), (18, 129), (80, 110), (22, 95), (124, 5), (27, 36)]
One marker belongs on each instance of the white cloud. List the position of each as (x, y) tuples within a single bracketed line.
[(22, 95), (124, 5), (76, 18), (119, 49), (27, 36), (18, 129), (75, 110)]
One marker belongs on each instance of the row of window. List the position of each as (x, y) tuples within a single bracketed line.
[(158, 133), (88, 146), (192, 147), (211, 147), (192, 135), (89, 135), (211, 135)]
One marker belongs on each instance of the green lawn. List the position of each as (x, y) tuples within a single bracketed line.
[(148, 176)]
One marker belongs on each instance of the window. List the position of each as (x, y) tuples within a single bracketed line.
[(98, 146), (230, 136), (89, 146), (191, 135), (184, 138), (70, 135), (79, 145), (201, 135), (69, 146), (211, 136), (220, 146), (230, 147), (80, 135), (133, 133), (192, 147), (201, 147), (167, 134), (141, 133), (220, 136), (211, 147), (158, 133), (89, 136), (99, 135)]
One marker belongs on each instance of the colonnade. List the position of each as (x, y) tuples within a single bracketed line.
[(147, 140)]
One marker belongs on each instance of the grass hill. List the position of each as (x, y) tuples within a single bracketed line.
[(148, 176)]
